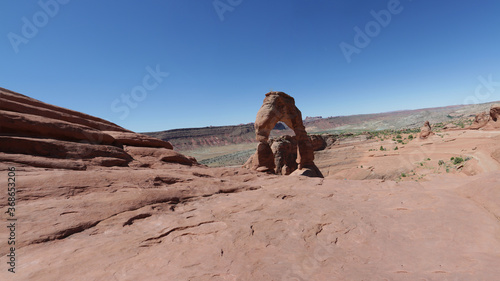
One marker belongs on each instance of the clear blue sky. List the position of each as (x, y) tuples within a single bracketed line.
[(86, 55)]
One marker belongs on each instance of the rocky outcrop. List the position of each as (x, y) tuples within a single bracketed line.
[(487, 120), (318, 142), (133, 139), (278, 106), (450, 126), (285, 154), (480, 121), (151, 157), (41, 126), (53, 148), (16, 102), (495, 112), (37, 134), (426, 130)]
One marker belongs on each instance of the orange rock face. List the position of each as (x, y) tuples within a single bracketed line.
[(37, 134), (495, 112), (285, 154), (487, 121), (426, 130), (480, 121), (278, 106)]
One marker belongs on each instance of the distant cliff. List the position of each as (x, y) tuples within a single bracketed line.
[(192, 138)]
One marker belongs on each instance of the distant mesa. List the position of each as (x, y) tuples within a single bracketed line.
[(280, 126), (310, 119), (34, 133), (426, 130), (278, 106)]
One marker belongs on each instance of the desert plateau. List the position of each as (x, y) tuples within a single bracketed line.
[(97, 202), (250, 140)]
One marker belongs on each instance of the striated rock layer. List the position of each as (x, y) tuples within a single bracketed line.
[(42, 135)]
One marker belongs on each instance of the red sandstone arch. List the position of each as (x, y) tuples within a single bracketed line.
[(278, 106)]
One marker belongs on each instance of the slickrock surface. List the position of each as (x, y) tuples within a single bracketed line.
[(146, 218), (195, 223)]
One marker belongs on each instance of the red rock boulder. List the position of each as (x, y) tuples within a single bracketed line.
[(426, 130)]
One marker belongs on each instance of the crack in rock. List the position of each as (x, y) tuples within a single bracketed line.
[(179, 228), (138, 217), (66, 232)]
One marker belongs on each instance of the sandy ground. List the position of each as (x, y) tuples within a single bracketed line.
[(416, 158), (196, 223)]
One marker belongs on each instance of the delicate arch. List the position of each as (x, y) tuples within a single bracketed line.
[(278, 106)]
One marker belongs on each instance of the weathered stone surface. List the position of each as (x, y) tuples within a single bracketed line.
[(318, 142), (480, 121), (34, 125), (59, 149), (194, 223), (129, 138), (278, 106), (426, 130), (285, 154), (151, 156), (11, 101), (109, 162), (180, 222), (487, 120), (329, 139), (495, 112), (284, 150), (48, 136), (21, 160), (450, 126)]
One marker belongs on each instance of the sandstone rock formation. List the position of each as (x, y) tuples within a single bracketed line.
[(495, 112), (318, 142), (487, 120), (480, 121), (285, 154), (179, 222), (279, 106), (38, 134), (426, 130), (284, 150)]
